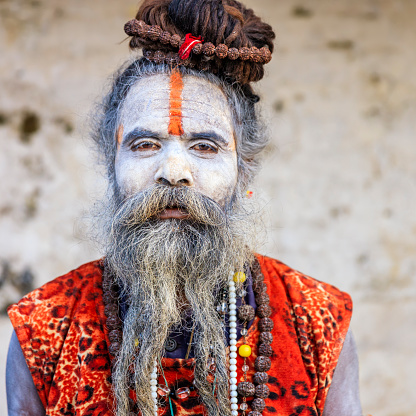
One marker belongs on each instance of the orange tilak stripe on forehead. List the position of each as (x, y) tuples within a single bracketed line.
[(119, 135), (175, 104)]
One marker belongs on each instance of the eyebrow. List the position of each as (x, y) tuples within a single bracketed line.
[(138, 134), (209, 135)]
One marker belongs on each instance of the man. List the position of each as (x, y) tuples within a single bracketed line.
[(180, 316)]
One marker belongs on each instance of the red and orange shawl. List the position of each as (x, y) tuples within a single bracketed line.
[(61, 328)]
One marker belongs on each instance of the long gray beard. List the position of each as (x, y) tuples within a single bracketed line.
[(165, 268)]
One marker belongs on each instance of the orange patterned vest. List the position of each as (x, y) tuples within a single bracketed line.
[(61, 329)]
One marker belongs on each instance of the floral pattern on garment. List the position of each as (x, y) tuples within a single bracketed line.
[(61, 329)]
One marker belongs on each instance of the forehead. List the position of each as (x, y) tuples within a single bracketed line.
[(153, 100)]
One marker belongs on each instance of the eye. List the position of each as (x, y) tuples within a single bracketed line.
[(205, 148), (144, 146)]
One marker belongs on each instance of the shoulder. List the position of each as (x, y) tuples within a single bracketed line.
[(54, 303), (305, 291), (44, 317), (60, 290)]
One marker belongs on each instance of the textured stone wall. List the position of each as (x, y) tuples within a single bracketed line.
[(339, 180)]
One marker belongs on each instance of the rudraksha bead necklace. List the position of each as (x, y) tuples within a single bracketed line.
[(246, 389)]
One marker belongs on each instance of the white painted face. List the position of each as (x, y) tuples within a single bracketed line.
[(176, 130)]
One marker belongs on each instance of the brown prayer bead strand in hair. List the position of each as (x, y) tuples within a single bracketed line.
[(154, 33)]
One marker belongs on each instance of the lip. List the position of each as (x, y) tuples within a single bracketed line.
[(173, 213)]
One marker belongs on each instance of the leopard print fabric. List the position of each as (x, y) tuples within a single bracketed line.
[(61, 329)]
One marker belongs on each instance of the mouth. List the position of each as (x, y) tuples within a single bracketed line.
[(176, 212)]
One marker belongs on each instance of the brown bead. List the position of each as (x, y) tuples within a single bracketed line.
[(129, 27), (264, 311), (255, 54), (110, 309), (115, 335), (154, 32), (181, 42), (258, 404), (246, 389), (244, 53), (208, 49), (197, 49), (159, 57), (262, 391), (262, 363), (164, 37), (221, 51), (256, 272), (172, 58), (233, 54), (113, 322), (262, 299), (259, 287), (266, 325), (260, 377), (246, 313), (106, 285), (266, 337), (148, 54), (265, 349), (255, 413), (265, 54), (142, 28), (107, 297), (114, 348), (174, 40)]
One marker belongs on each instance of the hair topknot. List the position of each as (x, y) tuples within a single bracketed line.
[(218, 22)]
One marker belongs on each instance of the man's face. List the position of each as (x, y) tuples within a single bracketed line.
[(176, 130)]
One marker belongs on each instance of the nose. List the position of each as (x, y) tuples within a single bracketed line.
[(174, 171)]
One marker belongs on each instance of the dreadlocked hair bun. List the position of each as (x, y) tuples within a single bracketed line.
[(236, 42)]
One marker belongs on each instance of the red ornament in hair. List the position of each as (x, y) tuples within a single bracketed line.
[(189, 42)]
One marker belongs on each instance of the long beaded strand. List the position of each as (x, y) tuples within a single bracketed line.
[(233, 347), (242, 279), (153, 386)]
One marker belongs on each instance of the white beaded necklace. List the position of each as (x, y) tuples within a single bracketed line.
[(153, 386), (232, 357), (233, 347)]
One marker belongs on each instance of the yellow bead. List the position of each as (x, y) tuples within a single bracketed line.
[(239, 277), (136, 342), (244, 351)]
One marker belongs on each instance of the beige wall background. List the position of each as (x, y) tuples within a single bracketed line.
[(339, 180)]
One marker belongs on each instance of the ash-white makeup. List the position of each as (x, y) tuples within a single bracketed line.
[(179, 130)]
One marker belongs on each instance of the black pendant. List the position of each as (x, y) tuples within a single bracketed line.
[(171, 345)]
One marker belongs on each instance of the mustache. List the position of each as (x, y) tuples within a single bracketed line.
[(145, 206)]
